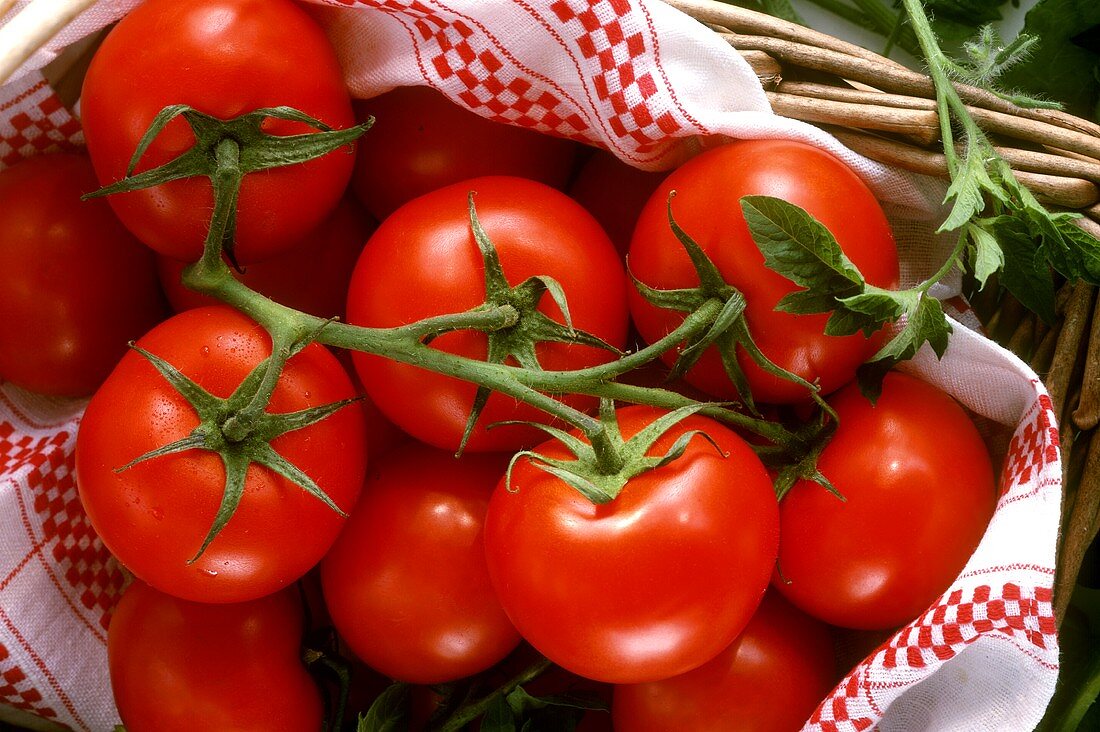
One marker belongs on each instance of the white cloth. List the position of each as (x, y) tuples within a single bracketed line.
[(653, 86)]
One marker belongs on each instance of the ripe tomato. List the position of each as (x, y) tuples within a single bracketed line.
[(655, 582), (224, 58), (614, 193), (155, 515), (422, 141), (918, 487), (312, 277), (75, 286), (770, 679), (406, 583), (179, 665), (709, 188), (423, 261)]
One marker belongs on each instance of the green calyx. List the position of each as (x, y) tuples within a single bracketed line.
[(604, 465), (728, 331), (240, 434), (227, 150), (519, 340)]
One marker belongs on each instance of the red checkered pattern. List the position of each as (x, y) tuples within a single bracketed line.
[(18, 691), (457, 55), (612, 38), (954, 622), (33, 120), (1033, 447)]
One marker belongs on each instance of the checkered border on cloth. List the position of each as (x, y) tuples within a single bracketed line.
[(33, 121), (980, 607), (58, 579)]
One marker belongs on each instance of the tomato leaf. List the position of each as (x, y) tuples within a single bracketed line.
[(389, 712), (499, 716), (1026, 273), (925, 323), (986, 257), (799, 247)]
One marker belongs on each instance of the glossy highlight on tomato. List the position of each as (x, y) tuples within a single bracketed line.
[(423, 261), (707, 206), (770, 679), (650, 585), (154, 516), (224, 58), (918, 492), (179, 666), (406, 583), (75, 286)]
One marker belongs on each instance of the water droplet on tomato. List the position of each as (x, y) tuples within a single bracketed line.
[(209, 572), (157, 513), (205, 350)]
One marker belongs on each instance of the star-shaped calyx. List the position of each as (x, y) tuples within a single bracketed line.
[(239, 434), (729, 329), (602, 467), (532, 327)]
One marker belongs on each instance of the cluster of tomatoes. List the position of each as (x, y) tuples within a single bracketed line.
[(443, 565)]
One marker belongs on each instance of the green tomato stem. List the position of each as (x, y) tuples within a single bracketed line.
[(469, 712)]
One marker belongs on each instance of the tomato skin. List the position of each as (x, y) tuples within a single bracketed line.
[(707, 206), (406, 583), (217, 56), (426, 248), (421, 141), (312, 276), (919, 490), (614, 193), (154, 515), (651, 584), (179, 665), (770, 679), (75, 286)]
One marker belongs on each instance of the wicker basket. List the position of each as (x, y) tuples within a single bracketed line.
[(886, 112)]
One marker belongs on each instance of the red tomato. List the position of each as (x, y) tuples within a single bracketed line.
[(179, 665), (422, 141), (155, 515), (709, 188), (312, 277), (768, 680), (647, 586), (75, 287), (423, 261), (614, 193), (919, 492), (224, 58), (406, 583)]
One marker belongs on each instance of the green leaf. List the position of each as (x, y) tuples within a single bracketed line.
[(388, 713), (926, 324), (1064, 65), (868, 310), (499, 717), (986, 257), (800, 248), (1026, 273)]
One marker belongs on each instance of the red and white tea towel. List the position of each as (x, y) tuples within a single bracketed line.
[(652, 85)]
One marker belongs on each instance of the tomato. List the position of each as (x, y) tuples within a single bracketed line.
[(179, 665), (406, 583), (614, 193), (918, 488), (224, 58), (312, 277), (74, 285), (422, 141), (770, 679), (154, 516), (708, 190), (427, 248), (652, 584)]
